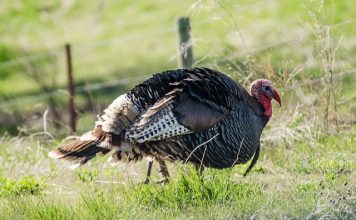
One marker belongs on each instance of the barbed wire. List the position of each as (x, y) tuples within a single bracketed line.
[(111, 83), (124, 38), (29, 58), (77, 89), (53, 52), (280, 43), (338, 75), (40, 55), (138, 36)]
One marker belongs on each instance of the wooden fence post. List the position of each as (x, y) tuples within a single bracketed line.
[(71, 107), (185, 46)]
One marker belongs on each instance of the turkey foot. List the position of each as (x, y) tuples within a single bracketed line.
[(162, 182), (163, 170)]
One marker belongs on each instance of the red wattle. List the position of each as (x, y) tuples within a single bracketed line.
[(267, 105)]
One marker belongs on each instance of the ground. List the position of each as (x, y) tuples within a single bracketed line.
[(291, 180), (306, 169)]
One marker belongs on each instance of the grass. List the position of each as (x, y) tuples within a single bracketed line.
[(305, 170), (297, 180), (26, 185)]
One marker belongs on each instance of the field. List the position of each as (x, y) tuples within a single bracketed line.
[(307, 165)]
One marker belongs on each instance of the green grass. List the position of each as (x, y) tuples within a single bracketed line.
[(301, 180), (26, 185), (305, 171)]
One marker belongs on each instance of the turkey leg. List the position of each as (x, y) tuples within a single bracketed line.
[(163, 170), (149, 170), (254, 160)]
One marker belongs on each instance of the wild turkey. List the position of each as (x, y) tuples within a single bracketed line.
[(192, 115)]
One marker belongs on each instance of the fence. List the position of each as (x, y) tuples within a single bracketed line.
[(185, 53)]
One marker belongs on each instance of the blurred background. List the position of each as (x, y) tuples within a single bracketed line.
[(307, 48), (117, 44)]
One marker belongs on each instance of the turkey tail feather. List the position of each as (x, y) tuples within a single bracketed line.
[(85, 148), (78, 151), (106, 135)]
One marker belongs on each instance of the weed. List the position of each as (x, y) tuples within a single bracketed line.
[(86, 175), (26, 185)]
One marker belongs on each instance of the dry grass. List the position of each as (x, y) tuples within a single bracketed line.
[(293, 179), (307, 167)]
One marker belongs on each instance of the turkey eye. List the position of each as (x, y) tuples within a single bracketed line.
[(268, 88)]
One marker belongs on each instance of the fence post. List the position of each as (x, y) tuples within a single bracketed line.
[(71, 108), (185, 46)]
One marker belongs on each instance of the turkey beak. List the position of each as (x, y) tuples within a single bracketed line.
[(276, 97)]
